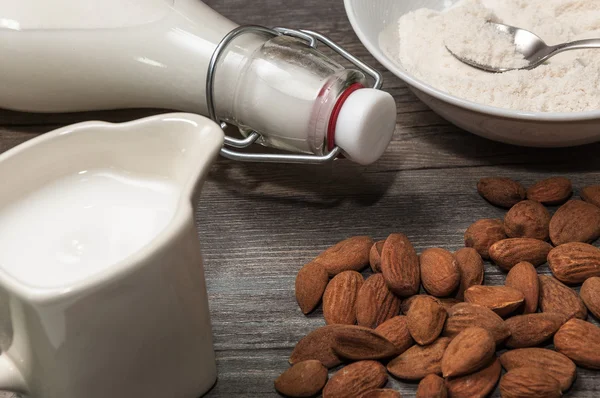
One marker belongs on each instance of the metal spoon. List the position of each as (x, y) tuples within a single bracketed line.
[(534, 50)]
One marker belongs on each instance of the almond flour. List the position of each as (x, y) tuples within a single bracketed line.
[(569, 82)]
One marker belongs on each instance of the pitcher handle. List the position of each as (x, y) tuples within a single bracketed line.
[(11, 378)]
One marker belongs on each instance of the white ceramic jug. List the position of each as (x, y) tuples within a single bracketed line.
[(101, 278)]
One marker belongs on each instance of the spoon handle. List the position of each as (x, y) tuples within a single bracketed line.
[(577, 45)]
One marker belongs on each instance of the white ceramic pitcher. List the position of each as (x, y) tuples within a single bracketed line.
[(139, 327)]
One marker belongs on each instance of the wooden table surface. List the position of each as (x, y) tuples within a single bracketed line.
[(260, 223)]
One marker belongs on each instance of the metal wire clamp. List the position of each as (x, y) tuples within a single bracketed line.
[(313, 39)]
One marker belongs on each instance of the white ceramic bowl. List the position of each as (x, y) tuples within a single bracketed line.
[(373, 19)]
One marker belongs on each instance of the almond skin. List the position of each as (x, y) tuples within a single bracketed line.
[(475, 385), (524, 278), (591, 195), (400, 266), (551, 191), (439, 272), (375, 303), (580, 341), (527, 219), (464, 315), (396, 331), (405, 306), (356, 379), (502, 300), (502, 192), (432, 386), (533, 329), (575, 221), (484, 233), (574, 262), (419, 361), (509, 252), (339, 300), (311, 282), (470, 351), (447, 302), (529, 383), (559, 366), (357, 343), (304, 379), (382, 393), (375, 256), (426, 318), (470, 266), (317, 345), (556, 297), (351, 254), (590, 294)]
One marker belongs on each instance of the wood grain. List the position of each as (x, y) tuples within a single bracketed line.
[(259, 223)]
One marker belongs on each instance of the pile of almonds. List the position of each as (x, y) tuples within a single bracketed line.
[(448, 338)]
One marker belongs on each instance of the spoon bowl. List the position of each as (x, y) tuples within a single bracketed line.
[(533, 49)]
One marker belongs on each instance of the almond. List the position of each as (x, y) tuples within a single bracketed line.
[(375, 256), (339, 300), (580, 341), (382, 393), (502, 192), (551, 191), (426, 318), (464, 315), (357, 343), (317, 345), (558, 365), (396, 331), (400, 266), (502, 300), (533, 329), (351, 254), (524, 278), (574, 262), (470, 351), (556, 297), (590, 294), (509, 252), (575, 221), (304, 379), (375, 302), (484, 233), (529, 383), (470, 266), (591, 195), (432, 386), (475, 385), (419, 361), (439, 272), (356, 379), (527, 219), (311, 282)]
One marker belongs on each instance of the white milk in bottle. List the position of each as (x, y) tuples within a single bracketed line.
[(79, 55)]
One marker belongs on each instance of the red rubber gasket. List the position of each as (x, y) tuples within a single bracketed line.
[(336, 113)]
